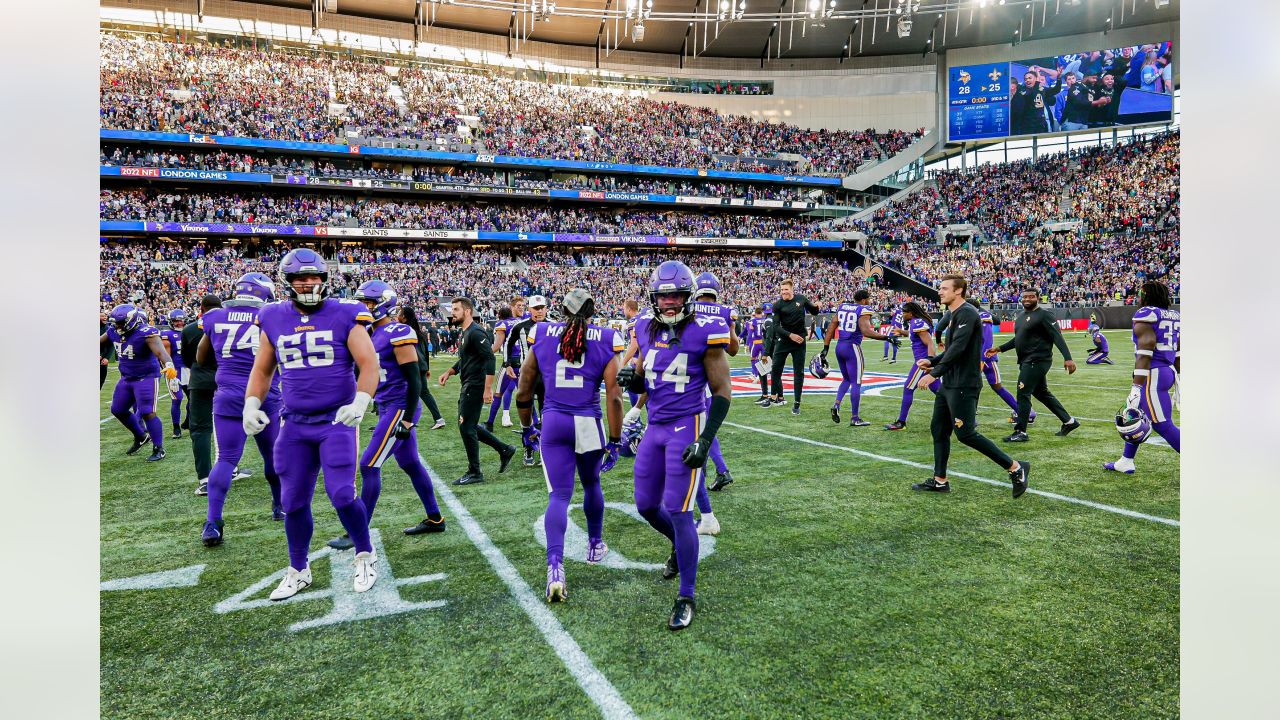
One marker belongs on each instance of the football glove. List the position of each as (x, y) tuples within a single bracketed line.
[(174, 386), (252, 419), (1135, 397), (823, 354), (695, 455), (402, 432), (630, 380), (529, 436), (1177, 394), (632, 417), (169, 371), (611, 455), (352, 413)]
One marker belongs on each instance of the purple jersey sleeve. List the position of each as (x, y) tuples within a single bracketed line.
[(316, 368), (919, 348), (1167, 325), (174, 338), (673, 365)]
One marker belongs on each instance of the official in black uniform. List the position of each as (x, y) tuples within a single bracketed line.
[(955, 406), (475, 365), (789, 333), (1035, 333), (1028, 102), (201, 387)]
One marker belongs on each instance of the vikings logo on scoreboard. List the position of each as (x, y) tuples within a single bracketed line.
[(746, 384)]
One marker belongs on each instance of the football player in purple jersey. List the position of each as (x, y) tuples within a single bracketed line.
[(574, 356), (1157, 361), (681, 354), (231, 340), (172, 339), (398, 410), (138, 348), (317, 342), (851, 322), (1100, 355), (920, 328), (706, 302)]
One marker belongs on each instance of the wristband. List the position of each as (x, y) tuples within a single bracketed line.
[(522, 404), (615, 440)]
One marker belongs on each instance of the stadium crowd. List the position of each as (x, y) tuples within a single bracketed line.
[(221, 160), (176, 274), (155, 85), (331, 210)]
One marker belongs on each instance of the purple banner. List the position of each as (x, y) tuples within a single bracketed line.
[(612, 239), (230, 228)]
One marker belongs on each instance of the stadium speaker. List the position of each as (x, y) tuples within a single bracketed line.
[(331, 6), (904, 27)]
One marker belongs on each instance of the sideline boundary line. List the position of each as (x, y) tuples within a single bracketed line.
[(989, 481)]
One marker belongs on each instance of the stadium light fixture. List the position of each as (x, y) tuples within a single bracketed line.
[(1161, 4), (904, 26), (637, 32)]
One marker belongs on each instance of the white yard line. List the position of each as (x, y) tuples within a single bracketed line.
[(887, 458), (591, 680)]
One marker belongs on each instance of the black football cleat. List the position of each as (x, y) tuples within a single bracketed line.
[(426, 526), (1066, 429), (157, 454), (672, 568), (896, 425), (835, 414), (761, 400), (506, 454), (342, 542), (138, 442), (932, 485), (469, 479), (530, 457), (1019, 478), (212, 535), (186, 424), (1013, 419), (681, 614), (722, 479), (795, 408), (177, 433), (1017, 436), (858, 422), (277, 512)]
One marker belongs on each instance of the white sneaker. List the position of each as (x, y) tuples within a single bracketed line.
[(506, 418), (708, 525), (365, 574), (294, 581), (438, 424), (240, 475), (203, 487)]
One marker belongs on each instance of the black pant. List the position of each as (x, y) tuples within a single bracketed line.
[(780, 354), (200, 418), (953, 411), (1033, 383), (428, 399), (470, 402), (102, 376)]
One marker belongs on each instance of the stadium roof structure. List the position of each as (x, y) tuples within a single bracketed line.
[(776, 28)]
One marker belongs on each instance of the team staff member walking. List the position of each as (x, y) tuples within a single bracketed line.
[(201, 387), (1035, 333), (956, 402), (789, 333), (475, 365)]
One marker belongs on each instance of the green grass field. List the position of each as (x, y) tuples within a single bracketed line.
[(833, 590)]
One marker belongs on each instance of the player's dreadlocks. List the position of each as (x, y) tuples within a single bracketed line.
[(919, 313), (411, 319), (573, 343), (1156, 294)]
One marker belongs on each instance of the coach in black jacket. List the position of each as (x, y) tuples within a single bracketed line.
[(955, 406), (790, 330)]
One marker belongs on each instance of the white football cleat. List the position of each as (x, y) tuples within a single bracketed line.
[(294, 581), (365, 574), (240, 474), (708, 525), (1124, 465), (506, 418)]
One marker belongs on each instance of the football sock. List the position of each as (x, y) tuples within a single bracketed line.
[(155, 428), (298, 526), (841, 391), (418, 477), (356, 522), (370, 488), (1008, 398), (908, 394), (686, 537), (219, 485), (555, 521), (704, 498), (593, 508), (1130, 450), (175, 413), (855, 398)]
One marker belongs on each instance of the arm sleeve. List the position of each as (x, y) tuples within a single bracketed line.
[(414, 379), (1058, 341), (960, 339)]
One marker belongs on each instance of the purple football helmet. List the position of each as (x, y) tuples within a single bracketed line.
[(177, 316), (255, 287), (305, 261), (632, 433), (126, 318), (1133, 425), (383, 297), (818, 368), (707, 284), (671, 276)]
